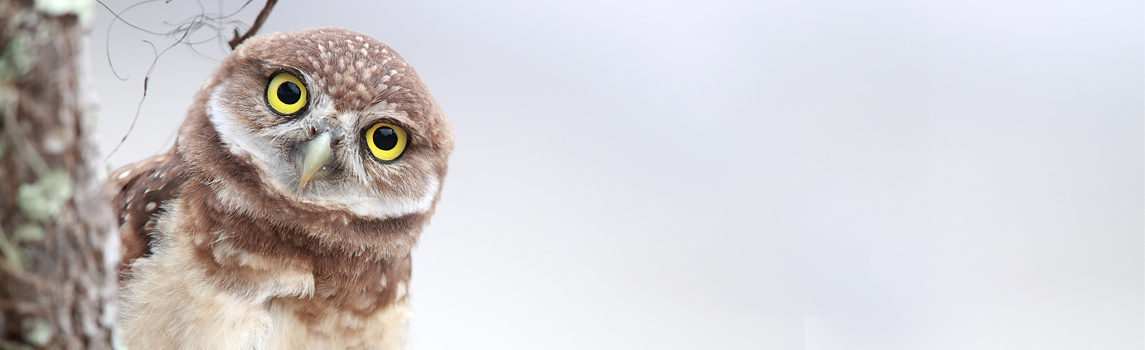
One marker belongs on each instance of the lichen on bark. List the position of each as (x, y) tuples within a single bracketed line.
[(57, 290)]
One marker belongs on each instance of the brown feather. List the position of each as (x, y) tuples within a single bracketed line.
[(138, 193)]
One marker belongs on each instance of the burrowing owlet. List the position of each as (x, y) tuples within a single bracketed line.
[(284, 215)]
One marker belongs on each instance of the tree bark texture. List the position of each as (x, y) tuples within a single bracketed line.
[(57, 281)]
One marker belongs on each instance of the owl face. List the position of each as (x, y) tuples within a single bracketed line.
[(332, 119)]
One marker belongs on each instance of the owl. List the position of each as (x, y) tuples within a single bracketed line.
[(283, 217)]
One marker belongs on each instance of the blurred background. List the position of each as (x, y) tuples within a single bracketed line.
[(783, 174)]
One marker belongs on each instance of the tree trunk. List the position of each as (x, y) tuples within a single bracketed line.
[(57, 279)]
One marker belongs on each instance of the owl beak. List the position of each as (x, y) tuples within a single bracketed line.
[(315, 155)]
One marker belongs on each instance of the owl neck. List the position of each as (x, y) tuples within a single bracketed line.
[(258, 240), (255, 253)]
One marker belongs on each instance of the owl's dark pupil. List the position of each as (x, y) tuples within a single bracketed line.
[(385, 138), (289, 93)]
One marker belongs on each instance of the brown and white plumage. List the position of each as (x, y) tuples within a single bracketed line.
[(241, 238)]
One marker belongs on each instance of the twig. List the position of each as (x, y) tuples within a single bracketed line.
[(183, 31), (262, 15), (144, 98)]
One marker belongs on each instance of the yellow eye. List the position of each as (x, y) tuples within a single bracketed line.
[(286, 94), (386, 141)]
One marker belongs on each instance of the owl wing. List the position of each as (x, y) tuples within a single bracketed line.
[(137, 193)]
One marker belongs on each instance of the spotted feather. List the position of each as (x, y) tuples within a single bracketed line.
[(138, 193)]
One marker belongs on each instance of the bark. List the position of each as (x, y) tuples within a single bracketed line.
[(57, 282)]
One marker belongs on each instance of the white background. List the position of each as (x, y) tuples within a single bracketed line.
[(791, 174)]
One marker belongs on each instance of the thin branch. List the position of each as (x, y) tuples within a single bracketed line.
[(144, 98), (183, 30), (262, 15)]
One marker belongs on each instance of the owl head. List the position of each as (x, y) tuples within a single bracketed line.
[(327, 123)]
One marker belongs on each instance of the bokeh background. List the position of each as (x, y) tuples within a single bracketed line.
[(780, 174)]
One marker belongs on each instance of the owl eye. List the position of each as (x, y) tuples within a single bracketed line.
[(286, 94), (386, 141)]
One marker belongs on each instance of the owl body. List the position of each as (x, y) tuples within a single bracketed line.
[(284, 216)]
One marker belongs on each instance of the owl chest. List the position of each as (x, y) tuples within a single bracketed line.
[(296, 325), (178, 298)]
